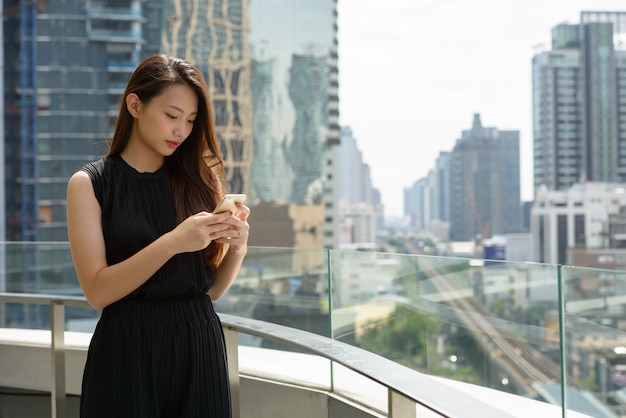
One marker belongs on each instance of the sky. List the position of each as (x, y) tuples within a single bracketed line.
[(412, 74)]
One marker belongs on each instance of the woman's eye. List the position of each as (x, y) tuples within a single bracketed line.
[(191, 121), (170, 116)]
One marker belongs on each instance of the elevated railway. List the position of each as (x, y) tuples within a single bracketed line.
[(523, 366)]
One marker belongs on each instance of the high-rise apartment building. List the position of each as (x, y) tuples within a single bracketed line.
[(427, 201), (417, 204), (484, 183), (272, 72), (359, 202), (472, 191), (579, 103), (355, 183)]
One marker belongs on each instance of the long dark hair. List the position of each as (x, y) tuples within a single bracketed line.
[(196, 169)]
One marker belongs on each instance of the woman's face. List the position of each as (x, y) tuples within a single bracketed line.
[(163, 123)]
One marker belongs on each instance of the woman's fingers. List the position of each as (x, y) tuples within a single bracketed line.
[(225, 228), (237, 229)]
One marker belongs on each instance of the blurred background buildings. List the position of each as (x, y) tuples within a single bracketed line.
[(272, 70), (579, 153)]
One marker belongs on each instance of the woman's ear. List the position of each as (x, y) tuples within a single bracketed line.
[(133, 104)]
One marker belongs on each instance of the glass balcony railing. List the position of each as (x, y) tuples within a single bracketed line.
[(547, 332)]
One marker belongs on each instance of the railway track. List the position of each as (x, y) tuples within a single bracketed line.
[(521, 364)]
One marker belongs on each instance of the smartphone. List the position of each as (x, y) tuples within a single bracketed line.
[(228, 203)]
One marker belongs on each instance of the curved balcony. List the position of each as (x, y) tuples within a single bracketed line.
[(344, 333)]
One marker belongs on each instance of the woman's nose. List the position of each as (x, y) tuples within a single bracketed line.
[(179, 131)]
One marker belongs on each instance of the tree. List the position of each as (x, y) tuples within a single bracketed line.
[(403, 337)]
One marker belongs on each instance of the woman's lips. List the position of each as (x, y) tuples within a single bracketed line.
[(173, 144)]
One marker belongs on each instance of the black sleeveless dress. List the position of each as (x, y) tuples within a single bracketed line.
[(160, 351)]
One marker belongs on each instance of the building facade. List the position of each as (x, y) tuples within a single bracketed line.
[(579, 103), (69, 63), (214, 37), (473, 191), (355, 180), (586, 216), (427, 201), (360, 208), (441, 173), (484, 183)]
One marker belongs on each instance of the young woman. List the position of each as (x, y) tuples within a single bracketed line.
[(150, 254)]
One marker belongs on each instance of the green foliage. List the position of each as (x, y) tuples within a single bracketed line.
[(409, 337), (589, 383), (497, 307), (403, 337)]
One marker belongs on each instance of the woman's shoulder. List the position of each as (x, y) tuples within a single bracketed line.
[(95, 174), (94, 168), (98, 168)]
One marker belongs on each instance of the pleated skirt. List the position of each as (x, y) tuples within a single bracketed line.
[(157, 359)]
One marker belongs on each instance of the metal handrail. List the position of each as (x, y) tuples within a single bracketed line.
[(406, 387), (57, 343)]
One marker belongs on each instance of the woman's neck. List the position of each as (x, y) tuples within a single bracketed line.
[(141, 162)]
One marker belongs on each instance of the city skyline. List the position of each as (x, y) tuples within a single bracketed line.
[(404, 109)]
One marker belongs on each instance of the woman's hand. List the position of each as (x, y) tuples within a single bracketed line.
[(237, 231), (197, 231), (236, 236)]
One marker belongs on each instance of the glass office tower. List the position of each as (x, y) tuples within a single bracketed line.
[(214, 36), (294, 69)]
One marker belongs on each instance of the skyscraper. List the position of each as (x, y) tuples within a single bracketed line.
[(579, 103), (353, 179), (308, 89), (428, 199), (214, 37), (417, 204), (67, 64), (484, 183), (359, 201), (269, 160), (294, 80)]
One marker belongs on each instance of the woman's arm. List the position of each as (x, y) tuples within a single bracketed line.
[(237, 239), (103, 284)]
